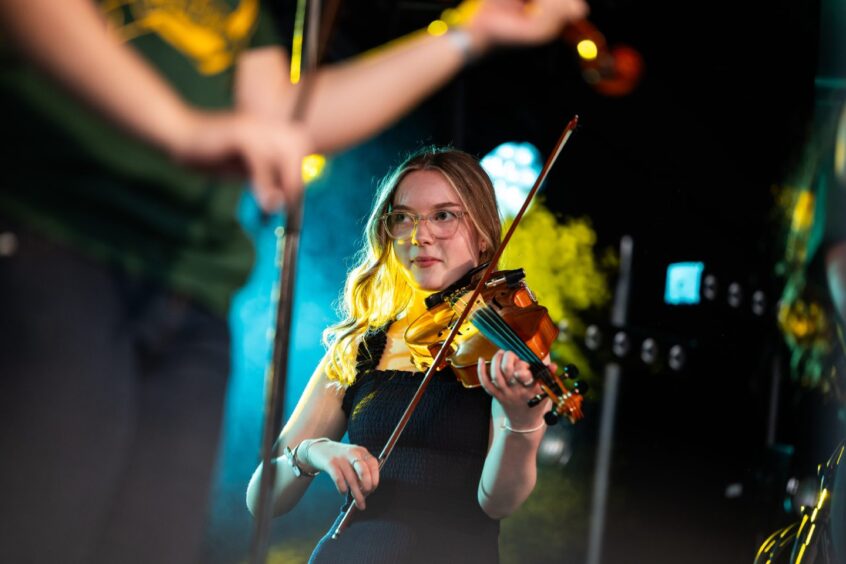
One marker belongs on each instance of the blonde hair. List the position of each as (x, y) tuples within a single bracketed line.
[(376, 290)]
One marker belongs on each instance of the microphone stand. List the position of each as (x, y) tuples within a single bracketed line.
[(276, 377)]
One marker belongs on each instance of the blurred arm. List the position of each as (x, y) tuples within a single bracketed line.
[(353, 100), (70, 40), (350, 101)]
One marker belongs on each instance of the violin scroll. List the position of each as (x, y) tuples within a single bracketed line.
[(611, 71)]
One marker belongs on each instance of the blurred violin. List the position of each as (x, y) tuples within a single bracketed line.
[(613, 71), (505, 316)]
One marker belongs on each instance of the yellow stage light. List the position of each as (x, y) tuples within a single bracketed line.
[(313, 166), (587, 49), (437, 27)]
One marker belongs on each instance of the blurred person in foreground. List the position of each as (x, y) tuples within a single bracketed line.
[(131, 126)]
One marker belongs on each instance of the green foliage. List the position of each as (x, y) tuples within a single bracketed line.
[(563, 271), (550, 526)]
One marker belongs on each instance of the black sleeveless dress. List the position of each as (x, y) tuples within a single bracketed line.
[(425, 508)]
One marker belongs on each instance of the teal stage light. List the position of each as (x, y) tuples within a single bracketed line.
[(513, 167), (683, 282)]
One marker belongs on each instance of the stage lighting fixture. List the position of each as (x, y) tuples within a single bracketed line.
[(735, 294), (563, 331), (734, 490), (709, 287), (513, 167), (437, 27), (683, 282), (593, 337), (621, 344), (8, 244), (676, 357), (556, 447), (587, 49), (649, 351), (313, 166), (759, 303)]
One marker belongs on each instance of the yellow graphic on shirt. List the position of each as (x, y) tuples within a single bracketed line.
[(209, 32)]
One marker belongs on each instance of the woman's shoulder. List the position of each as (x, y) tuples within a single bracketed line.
[(370, 348)]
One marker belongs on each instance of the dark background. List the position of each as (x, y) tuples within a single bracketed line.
[(721, 110), (688, 165)]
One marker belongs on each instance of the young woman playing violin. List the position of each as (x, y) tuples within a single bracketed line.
[(467, 457)]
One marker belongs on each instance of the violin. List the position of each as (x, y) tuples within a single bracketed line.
[(506, 316)]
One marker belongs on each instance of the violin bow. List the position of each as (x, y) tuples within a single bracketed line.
[(442, 353), (276, 377)]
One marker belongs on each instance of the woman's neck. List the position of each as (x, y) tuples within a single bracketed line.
[(396, 355)]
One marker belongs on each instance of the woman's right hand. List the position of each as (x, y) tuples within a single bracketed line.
[(351, 467)]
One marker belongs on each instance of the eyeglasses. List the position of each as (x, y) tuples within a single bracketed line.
[(442, 223)]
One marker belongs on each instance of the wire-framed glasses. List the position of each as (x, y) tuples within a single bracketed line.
[(443, 223)]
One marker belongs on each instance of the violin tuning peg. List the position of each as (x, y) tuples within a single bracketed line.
[(535, 400), (551, 418), (571, 371), (580, 387)]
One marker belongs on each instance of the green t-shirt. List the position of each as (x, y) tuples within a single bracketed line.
[(76, 178)]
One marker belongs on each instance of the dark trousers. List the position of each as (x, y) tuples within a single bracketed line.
[(111, 396)]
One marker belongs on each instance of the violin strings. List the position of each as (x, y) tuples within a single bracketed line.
[(488, 326), (500, 330), (492, 326), (506, 335)]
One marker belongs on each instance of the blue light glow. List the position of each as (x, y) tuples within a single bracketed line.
[(513, 168), (683, 282)]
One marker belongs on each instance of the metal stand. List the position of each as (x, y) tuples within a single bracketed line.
[(275, 382), (609, 407)]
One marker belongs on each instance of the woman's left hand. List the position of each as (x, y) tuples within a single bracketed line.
[(512, 384)]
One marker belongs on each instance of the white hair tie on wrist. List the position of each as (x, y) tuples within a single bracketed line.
[(294, 461), (506, 427)]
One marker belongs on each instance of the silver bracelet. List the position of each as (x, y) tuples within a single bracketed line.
[(506, 427), (291, 457)]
